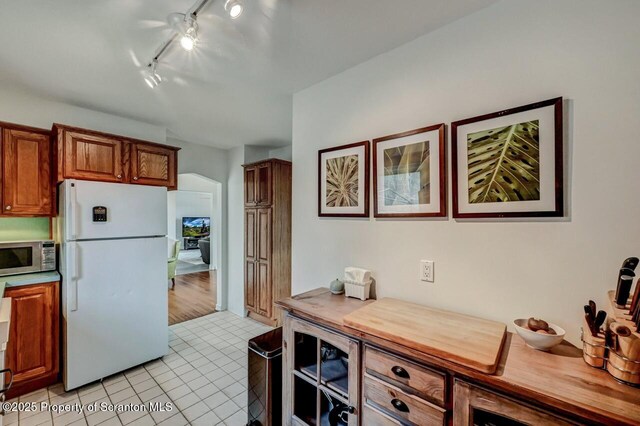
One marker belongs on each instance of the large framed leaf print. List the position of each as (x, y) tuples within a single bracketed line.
[(509, 163), (343, 181), (409, 177)]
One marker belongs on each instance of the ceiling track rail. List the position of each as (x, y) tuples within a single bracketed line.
[(192, 12)]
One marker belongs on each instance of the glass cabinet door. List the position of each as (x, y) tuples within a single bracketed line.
[(321, 380)]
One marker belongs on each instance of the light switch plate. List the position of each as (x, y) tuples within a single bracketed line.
[(426, 270)]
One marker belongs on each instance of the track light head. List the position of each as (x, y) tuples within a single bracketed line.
[(151, 76), (189, 38), (234, 8)]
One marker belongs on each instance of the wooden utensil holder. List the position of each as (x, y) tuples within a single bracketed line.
[(594, 349), (624, 363)]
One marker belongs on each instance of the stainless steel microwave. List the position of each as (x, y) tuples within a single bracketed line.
[(25, 257)]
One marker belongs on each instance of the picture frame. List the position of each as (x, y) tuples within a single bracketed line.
[(343, 181), (509, 163), (409, 174)]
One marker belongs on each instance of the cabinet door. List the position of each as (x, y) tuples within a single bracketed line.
[(250, 288), (263, 184), (92, 157), (250, 198), (476, 406), (263, 264), (26, 173), (320, 371), (153, 165), (32, 351)]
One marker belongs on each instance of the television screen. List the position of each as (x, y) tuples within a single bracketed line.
[(196, 227)]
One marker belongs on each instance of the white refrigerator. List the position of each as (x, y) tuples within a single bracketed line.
[(113, 262)]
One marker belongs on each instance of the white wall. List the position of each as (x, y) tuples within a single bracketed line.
[(510, 54), (235, 208), (283, 153)]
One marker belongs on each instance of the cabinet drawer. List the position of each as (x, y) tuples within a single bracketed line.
[(425, 383), (407, 407), (371, 416)]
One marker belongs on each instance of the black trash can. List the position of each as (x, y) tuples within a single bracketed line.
[(265, 379)]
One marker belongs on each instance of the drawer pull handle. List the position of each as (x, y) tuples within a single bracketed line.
[(400, 372), (399, 405)]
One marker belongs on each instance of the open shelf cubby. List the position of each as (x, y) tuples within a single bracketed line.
[(321, 370)]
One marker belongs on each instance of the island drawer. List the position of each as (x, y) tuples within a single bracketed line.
[(409, 408), (413, 378)]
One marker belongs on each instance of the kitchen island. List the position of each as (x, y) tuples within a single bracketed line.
[(389, 382)]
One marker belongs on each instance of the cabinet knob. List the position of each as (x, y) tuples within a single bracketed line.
[(119, 176), (351, 409), (135, 178), (399, 405), (400, 372), (7, 208)]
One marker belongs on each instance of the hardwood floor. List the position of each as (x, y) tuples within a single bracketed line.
[(193, 296)]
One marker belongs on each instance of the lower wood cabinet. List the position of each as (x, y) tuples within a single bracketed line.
[(321, 375), (321, 370), (33, 350), (480, 407)]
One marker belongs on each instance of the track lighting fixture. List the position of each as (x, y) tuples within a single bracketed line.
[(151, 76), (185, 28), (234, 8), (190, 35)]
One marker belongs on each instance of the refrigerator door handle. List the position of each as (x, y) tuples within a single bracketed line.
[(73, 210), (73, 282)]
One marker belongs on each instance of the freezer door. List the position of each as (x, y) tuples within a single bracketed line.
[(131, 210), (115, 306)]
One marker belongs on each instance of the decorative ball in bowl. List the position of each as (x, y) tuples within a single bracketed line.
[(539, 334)]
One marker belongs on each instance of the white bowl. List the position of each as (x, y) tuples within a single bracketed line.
[(542, 342)]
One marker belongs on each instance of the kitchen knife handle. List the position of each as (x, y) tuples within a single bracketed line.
[(400, 372)]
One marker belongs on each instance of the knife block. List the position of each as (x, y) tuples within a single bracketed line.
[(593, 348), (624, 364)]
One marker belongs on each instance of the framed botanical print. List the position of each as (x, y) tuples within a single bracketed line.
[(509, 163), (409, 174), (343, 181)]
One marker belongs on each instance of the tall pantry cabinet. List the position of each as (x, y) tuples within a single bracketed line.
[(267, 245)]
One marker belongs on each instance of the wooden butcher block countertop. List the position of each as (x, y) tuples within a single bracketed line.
[(473, 342), (558, 380)]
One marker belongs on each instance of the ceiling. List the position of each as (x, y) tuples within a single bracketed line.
[(235, 88)]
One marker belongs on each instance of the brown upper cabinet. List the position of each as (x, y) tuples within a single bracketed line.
[(89, 155), (257, 181), (153, 165), (27, 188)]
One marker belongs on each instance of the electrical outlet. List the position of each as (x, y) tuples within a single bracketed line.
[(426, 270)]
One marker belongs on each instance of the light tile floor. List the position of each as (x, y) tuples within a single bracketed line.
[(204, 377)]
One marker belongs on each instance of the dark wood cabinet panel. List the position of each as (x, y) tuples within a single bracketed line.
[(91, 157), (153, 165), (250, 286), (263, 184), (263, 283), (267, 237), (263, 229), (33, 348), (26, 178), (250, 199)]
